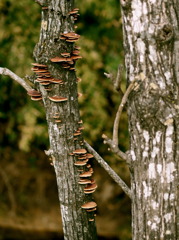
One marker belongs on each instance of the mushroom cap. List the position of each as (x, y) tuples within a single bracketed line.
[(36, 98), (45, 83), (54, 80), (57, 99), (80, 151), (58, 59), (84, 181), (39, 65), (34, 93), (89, 191), (71, 35), (80, 163), (91, 187), (89, 155), (89, 205), (86, 174), (91, 210)]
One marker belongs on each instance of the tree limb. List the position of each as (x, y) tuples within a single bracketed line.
[(114, 148), (118, 114), (109, 170), (21, 81), (116, 81)]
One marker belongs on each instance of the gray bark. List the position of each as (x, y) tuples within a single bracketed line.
[(55, 20), (152, 52)]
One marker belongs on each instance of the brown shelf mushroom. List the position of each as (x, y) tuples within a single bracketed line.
[(34, 93), (89, 205), (90, 187), (57, 99), (80, 163), (80, 151), (84, 181), (85, 174)]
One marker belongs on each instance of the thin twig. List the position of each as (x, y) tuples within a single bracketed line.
[(118, 114), (109, 170), (116, 81), (21, 81), (114, 148)]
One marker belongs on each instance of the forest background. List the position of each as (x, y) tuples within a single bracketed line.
[(28, 193)]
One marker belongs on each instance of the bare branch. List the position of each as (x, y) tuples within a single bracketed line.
[(21, 81), (118, 114), (116, 81), (109, 170), (114, 148)]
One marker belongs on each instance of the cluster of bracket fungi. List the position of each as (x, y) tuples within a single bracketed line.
[(44, 78), (85, 177)]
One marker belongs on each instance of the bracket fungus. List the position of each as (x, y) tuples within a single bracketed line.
[(90, 187), (86, 174), (80, 151), (80, 163), (34, 93), (89, 205), (84, 181), (58, 99)]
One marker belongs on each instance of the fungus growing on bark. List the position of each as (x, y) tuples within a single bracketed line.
[(76, 52), (89, 191), (58, 59), (89, 155), (45, 83), (76, 57), (34, 93), (57, 99), (91, 210), (77, 134), (36, 98), (58, 121), (89, 205), (80, 122), (91, 220), (84, 181), (54, 80), (65, 54), (80, 151), (85, 174), (39, 65), (80, 163), (90, 187)]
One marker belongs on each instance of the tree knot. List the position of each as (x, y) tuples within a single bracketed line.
[(165, 33)]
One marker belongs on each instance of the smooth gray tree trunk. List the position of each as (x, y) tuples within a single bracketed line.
[(56, 21), (151, 40)]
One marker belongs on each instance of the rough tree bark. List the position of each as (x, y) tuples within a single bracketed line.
[(151, 40), (56, 21)]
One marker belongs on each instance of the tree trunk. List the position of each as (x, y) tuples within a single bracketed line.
[(77, 222), (151, 40)]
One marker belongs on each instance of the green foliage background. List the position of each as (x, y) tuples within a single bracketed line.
[(23, 131)]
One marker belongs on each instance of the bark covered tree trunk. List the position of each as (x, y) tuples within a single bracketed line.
[(151, 39), (63, 116)]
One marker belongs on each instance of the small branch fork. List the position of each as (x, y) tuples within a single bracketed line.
[(115, 139), (109, 170), (21, 81)]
